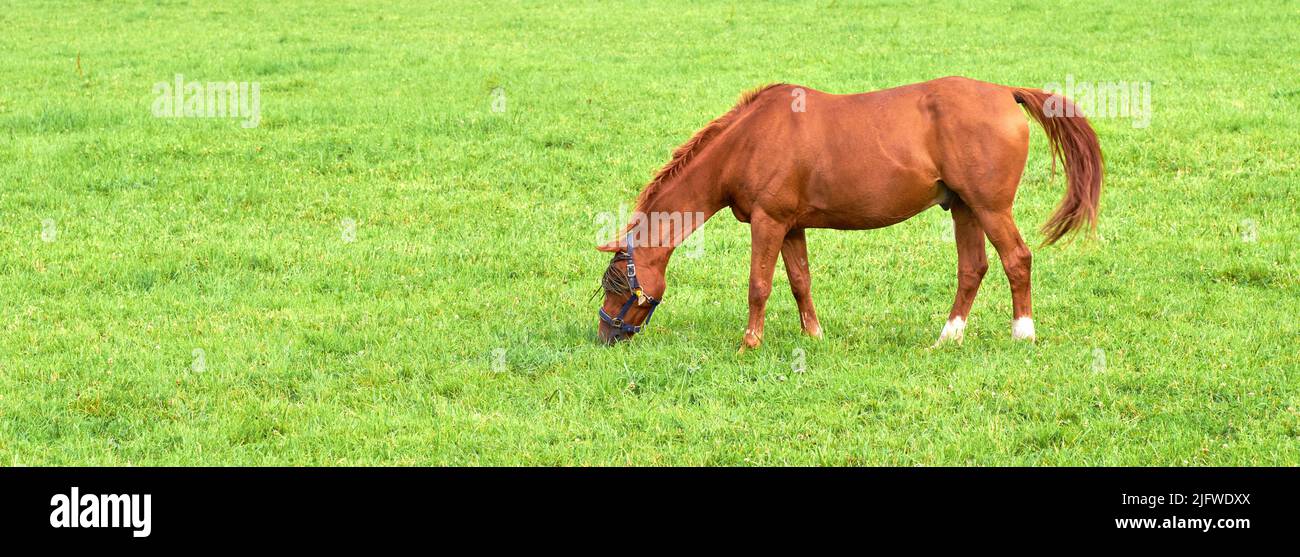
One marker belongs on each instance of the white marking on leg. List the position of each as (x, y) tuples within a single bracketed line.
[(954, 330), (815, 330), (1023, 328)]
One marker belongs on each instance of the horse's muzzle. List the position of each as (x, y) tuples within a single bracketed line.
[(609, 336)]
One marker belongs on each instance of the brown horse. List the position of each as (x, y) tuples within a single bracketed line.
[(788, 158)]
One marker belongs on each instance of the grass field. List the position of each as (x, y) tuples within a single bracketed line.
[(390, 269)]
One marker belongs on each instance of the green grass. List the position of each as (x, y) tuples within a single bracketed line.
[(457, 327)]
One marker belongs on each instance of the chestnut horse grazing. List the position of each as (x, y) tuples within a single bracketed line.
[(788, 158)]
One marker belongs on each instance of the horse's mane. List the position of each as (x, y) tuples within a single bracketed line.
[(683, 154)]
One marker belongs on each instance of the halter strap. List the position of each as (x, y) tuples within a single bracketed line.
[(637, 295)]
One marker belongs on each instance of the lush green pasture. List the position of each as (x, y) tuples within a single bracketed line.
[(188, 291)]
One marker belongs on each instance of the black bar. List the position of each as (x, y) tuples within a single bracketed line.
[(322, 505)]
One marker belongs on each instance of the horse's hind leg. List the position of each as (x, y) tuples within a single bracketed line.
[(794, 252), (1001, 230), (986, 153), (972, 262)]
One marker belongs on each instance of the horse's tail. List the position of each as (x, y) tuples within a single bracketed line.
[(1074, 142)]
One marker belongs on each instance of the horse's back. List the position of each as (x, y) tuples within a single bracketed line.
[(865, 160), (835, 161)]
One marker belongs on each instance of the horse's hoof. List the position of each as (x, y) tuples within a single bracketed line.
[(751, 341), (815, 332), (1023, 329), (953, 331)]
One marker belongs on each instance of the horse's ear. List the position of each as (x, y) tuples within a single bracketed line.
[(611, 246)]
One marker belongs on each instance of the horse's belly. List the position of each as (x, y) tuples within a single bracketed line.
[(871, 205)]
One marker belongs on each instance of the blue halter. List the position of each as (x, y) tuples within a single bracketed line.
[(638, 297)]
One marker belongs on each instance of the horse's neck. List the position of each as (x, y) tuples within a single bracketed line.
[(665, 219)]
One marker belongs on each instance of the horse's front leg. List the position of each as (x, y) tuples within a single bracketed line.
[(794, 252), (766, 237)]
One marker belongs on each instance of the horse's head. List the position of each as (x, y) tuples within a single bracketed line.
[(627, 306)]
